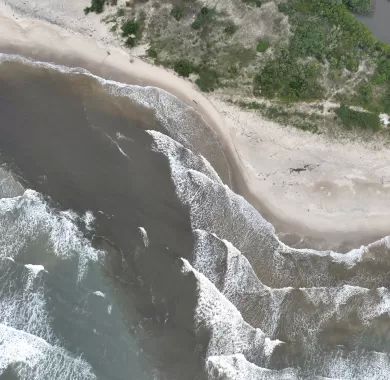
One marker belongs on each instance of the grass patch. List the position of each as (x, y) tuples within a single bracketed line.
[(208, 79), (120, 12), (256, 3), (262, 46), (351, 118), (296, 119)]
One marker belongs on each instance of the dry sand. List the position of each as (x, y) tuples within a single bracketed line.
[(316, 192)]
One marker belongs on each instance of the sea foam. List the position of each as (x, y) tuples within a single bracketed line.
[(290, 294)]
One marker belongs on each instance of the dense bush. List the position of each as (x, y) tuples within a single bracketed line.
[(131, 29), (97, 6), (285, 78), (310, 39), (230, 28), (152, 53), (358, 6), (177, 12), (315, 22), (203, 18), (326, 31), (183, 67)]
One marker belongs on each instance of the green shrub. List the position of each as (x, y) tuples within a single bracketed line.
[(382, 74), (310, 39), (328, 32), (351, 118), (184, 68), (385, 101), (177, 12), (262, 46), (130, 27), (208, 79), (230, 28), (203, 18), (152, 53), (285, 78), (314, 24), (97, 6), (358, 6), (365, 94)]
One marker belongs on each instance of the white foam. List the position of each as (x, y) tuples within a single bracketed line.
[(357, 365), (121, 151), (257, 261), (34, 359), (9, 187), (27, 216), (385, 119), (98, 293), (35, 269), (216, 209), (89, 220), (171, 113), (231, 239), (236, 367), (22, 300), (144, 235), (229, 333)]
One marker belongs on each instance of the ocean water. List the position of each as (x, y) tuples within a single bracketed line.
[(125, 254)]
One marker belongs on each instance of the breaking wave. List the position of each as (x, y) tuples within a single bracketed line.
[(269, 311), (273, 311), (30, 231)]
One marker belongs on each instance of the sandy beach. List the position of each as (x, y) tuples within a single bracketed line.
[(316, 192)]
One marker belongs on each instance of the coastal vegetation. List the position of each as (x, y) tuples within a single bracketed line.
[(358, 6), (351, 118), (294, 54), (97, 6)]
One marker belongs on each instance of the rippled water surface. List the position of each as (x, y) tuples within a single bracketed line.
[(379, 20), (123, 254)]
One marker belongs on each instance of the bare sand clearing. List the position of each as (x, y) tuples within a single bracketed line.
[(316, 192)]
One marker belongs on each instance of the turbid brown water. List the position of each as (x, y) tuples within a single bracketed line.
[(67, 139)]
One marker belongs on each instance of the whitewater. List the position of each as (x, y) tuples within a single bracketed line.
[(254, 307)]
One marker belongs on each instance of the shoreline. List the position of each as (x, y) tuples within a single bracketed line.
[(41, 40)]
